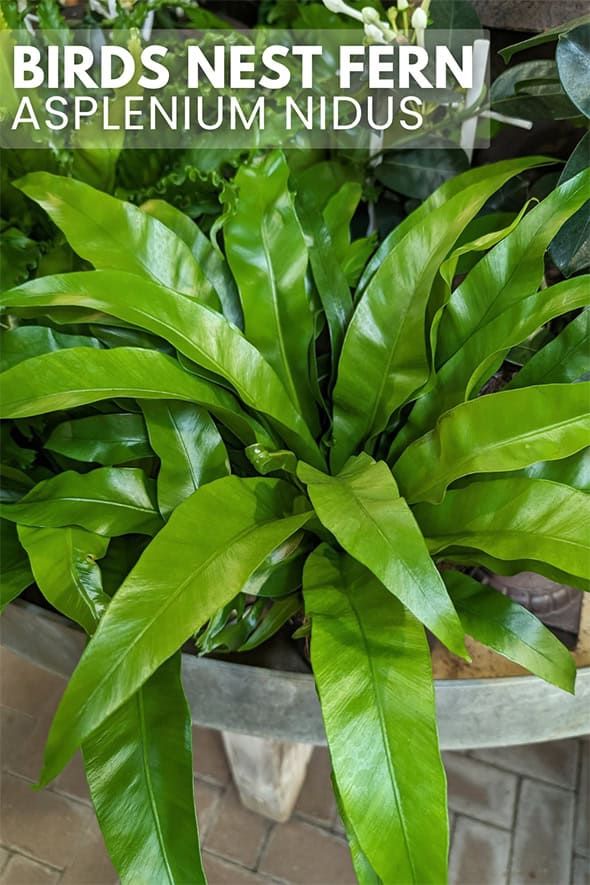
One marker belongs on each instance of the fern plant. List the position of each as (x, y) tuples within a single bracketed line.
[(220, 440)]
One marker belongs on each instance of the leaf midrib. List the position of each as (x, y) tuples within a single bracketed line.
[(78, 583), (450, 475), (275, 309), (167, 603), (524, 256), (498, 533), (206, 360), (149, 786), (383, 730), (108, 232), (412, 576), (184, 448), (494, 619), (72, 499)]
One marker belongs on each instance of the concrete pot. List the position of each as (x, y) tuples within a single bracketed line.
[(500, 707), (270, 719)]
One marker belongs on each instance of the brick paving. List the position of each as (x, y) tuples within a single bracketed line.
[(519, 815)]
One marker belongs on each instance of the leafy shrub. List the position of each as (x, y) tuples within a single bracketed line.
[(205, 444)]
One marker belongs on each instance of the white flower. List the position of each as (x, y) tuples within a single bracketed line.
[(419, 19), (419, 23), (370, 16), (402, 5), (341, 8), (375, 34)]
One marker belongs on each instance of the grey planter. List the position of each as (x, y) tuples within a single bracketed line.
[(283, 706)]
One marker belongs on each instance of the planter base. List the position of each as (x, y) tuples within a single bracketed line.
[(271, 719), (268, 774)]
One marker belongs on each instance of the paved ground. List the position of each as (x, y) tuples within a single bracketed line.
[(519, 815)]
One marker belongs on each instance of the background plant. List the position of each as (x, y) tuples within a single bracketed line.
[(215, 442)]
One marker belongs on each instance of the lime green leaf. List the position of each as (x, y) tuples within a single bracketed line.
[(25, 342), (384, 358), (140, 771), (190, 449), (501, 431), (512, 270), (465, 557), (109, 501), (205, 254), (199, 333), (372, 667), (365, 873), (79, 376), (267, 253), (484, 351), (277, 615), (114, 235), (508, 628), (563, 360), (63, 561), (513, 519), (16, 573), (363, 510), (326, 266), (573, 471), (200, 560), (446, 192), (104, 439)]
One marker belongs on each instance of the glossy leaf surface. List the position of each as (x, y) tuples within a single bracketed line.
[(267, 253), (570, 249), (140, 772), (512, 270), (384, 358), (511, 630), (206, 256), (109, 501), (16, 572), (563, 360), (199, 333), (326, 265), (418, 173), (72, 378), (207, 551), (190, 449), (573, 58), (446, 192), (372, 668), (532, 90), (484, 351), (64, 563), (463, 556), (513, 519), (276, 617), (547, 36), (114, 235), (363, 510), (573, 471), (104, 439), (365, 873), (23, 342), (500, 431)]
